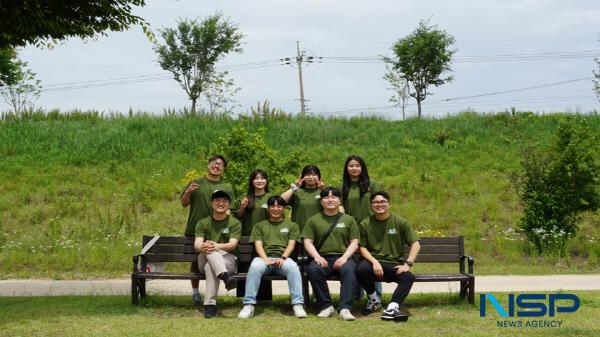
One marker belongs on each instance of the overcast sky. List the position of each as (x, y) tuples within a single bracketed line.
[(502, 46)]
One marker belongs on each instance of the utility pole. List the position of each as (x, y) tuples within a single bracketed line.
[(299, 59)]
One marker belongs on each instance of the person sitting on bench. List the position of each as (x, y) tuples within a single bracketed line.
[(274, 240)]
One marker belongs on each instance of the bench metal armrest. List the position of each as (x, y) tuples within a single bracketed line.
[(470, 261)]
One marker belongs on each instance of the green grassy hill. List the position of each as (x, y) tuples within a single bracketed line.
[(77, 190)]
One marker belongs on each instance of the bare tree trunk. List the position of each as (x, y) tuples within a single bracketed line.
[(193, 105), (419, 109)]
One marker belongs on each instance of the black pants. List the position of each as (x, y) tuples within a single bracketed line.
[(366, 279), (318, 275)]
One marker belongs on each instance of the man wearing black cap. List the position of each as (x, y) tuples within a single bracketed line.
[(216, 238), (331, 239)]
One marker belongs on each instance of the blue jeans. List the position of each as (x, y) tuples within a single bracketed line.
[(289, 270)]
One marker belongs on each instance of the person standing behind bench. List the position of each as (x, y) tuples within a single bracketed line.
[(303, 195), (382, 239), (331, 239), (274, 240), (217, 237), (197, 195)]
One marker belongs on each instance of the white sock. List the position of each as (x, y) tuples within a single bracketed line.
[(393, 305), (374, 296), (195, 291)]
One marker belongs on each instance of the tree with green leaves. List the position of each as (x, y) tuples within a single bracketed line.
[(423, 58), (191, 52), (8, 67), (22, 90), (557, 186), (37, 21)]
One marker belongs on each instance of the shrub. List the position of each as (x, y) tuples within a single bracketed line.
[(558, 186)]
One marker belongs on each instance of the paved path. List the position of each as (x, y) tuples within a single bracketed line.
[(31, 287)]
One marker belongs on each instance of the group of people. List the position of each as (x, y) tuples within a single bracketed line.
[(335, 224)]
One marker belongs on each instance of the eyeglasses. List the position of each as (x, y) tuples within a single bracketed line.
[(380, 202), (216, 164)]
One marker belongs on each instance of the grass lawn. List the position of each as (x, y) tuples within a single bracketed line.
[(431, 314)]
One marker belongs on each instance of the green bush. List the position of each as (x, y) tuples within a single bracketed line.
[(558, 186)]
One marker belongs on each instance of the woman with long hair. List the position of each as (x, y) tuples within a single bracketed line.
[(357, 188), (304, 195), (253, 206)]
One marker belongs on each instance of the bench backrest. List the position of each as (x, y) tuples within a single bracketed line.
[(440, 249)]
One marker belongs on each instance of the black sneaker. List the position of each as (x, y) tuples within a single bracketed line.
[(197, 300), (394, 315), (230, 281), (372, 306), (210, 311)]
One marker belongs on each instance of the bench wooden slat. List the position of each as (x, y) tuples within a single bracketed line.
[(176, 240), (439, 250), (441, 277), (446, 240), (438, 258), (171, 257), (189, 249)]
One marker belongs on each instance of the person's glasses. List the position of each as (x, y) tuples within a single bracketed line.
[(217, 164), (380, 202)]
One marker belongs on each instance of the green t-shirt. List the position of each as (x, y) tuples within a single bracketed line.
[(258, 213), (275, 235), (305, 203), (360, 208), (385, 240), (340, 237), (219, 231), (200, 203)]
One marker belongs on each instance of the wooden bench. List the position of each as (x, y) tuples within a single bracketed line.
[(181, 249), (178, 249), (442, 250)]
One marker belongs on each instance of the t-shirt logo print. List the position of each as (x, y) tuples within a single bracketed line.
[(264, 206), (340, 225), (284, 230), (392, 231), (225, 231)]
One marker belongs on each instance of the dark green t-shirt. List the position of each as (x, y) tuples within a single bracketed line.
[(305, 203), (340, 237), (385, 240), (200, 203), (258, 213), (360, 208), (219, 231), (275, 235)]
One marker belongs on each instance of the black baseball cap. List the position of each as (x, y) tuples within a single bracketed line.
[(220, 194)]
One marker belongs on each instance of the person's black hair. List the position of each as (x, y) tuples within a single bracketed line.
[(364, 181), (218, 156), (308, 169), (276, 199), (334, 191), (381, 193), (251, 191)]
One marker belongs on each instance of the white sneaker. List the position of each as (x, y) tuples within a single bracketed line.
[(327, 312), (299, 311), (346, 315), (247, 311)]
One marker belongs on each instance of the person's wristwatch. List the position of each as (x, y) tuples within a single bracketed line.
[(408, 263), (283, 257), (294, 187)]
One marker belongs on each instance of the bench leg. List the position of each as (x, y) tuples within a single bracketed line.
[(142, 286), (305, 291), (134, 290), (472, 291), (464, 287)]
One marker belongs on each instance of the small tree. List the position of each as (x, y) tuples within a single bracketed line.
[(23, 90), (219, 95), (597, 79), (399, 85), (248, 151), (8, 67), (191, 51), (422, 58), (556, 187)]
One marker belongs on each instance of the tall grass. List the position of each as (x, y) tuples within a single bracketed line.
[(78, 189)]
